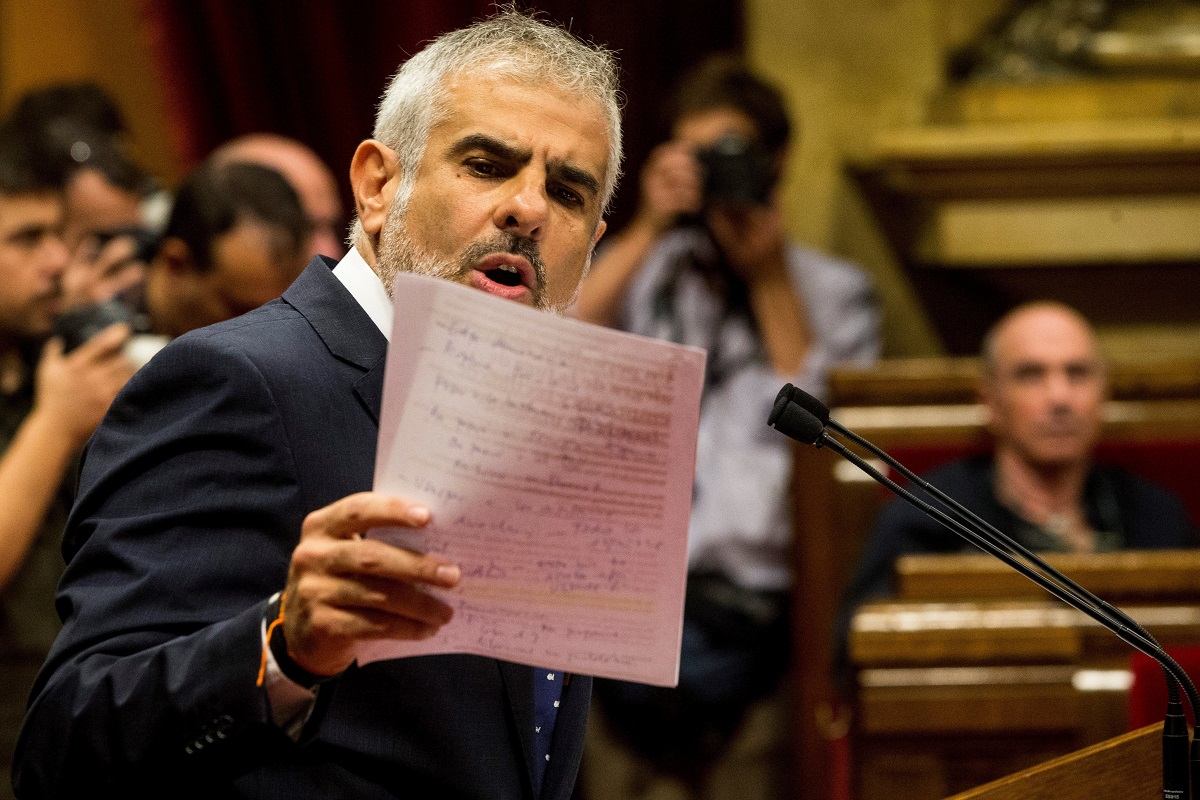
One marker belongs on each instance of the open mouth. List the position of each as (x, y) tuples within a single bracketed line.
[(505, 275), (508, 275)]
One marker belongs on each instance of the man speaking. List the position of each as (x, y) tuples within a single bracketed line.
[(218, 582)]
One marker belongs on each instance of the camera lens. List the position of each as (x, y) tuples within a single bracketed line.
[(736, 172), (80, 324)]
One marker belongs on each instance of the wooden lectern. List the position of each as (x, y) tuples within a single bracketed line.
[(1126, 767)]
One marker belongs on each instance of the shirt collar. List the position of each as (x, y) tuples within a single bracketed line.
[(367, 290)]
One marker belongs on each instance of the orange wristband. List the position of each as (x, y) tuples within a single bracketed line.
[(275, 623)]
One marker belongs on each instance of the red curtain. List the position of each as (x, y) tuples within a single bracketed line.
[(315, 70)]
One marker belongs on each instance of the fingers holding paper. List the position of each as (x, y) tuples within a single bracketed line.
[(343, 589)]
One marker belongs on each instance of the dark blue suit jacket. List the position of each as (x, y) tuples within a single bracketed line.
[(191, 500)]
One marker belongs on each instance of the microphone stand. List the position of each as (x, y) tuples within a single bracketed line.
[(804, 418)]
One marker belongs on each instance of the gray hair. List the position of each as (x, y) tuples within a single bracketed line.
[(511, 45)]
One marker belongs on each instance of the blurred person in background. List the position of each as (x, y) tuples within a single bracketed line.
[(50, 402), (307, 174), (78, 134), (236, 238), (706, 262)]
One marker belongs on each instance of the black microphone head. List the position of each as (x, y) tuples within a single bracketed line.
[(781, 401), (809, 403), (790, 419)]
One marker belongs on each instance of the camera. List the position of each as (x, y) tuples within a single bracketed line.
[(80, 324), (145, 243), (736, 172)]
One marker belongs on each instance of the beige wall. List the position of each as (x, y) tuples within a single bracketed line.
[(47, 41), (850, 68)]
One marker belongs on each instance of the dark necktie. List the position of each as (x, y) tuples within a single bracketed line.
[(547, 693)]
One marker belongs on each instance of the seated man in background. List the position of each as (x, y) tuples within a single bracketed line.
[(1043, 390), (706, 262), (307, 174), (236, 238)]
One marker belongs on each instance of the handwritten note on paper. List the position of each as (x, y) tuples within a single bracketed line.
[(557, 458)]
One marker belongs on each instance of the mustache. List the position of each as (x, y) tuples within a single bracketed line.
[(514, 245)]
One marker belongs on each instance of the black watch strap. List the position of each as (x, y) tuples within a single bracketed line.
[(278, 644)]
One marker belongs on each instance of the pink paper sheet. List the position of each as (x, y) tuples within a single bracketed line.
[(557, 459)]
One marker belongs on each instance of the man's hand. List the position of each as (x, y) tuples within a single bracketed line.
[(97, 273), (672, 184), (752, 239), (73, 391), (753, 242), (343, 589)]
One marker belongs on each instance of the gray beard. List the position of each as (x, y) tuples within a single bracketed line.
[(399, 253)]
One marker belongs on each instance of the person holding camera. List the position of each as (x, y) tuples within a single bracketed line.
[(50, 402), (706, 261)]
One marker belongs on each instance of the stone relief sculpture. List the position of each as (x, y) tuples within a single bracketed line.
[(1047, 40)]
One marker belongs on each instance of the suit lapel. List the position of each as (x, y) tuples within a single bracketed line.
[(343, 326), (335, 315), (518, 683), (369, 389)]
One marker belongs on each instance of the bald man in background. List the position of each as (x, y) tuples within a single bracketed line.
[(307, 174), (1043, 390)]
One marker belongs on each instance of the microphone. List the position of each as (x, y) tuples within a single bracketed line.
[(801, 416), (809, 403), (789, 418)]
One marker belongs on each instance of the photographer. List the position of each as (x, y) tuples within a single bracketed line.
[(706, 262), (50, 402)]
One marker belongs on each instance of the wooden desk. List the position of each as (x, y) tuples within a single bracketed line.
[(952, 693), (1124, 577), (1116, 769), (945, 381)]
